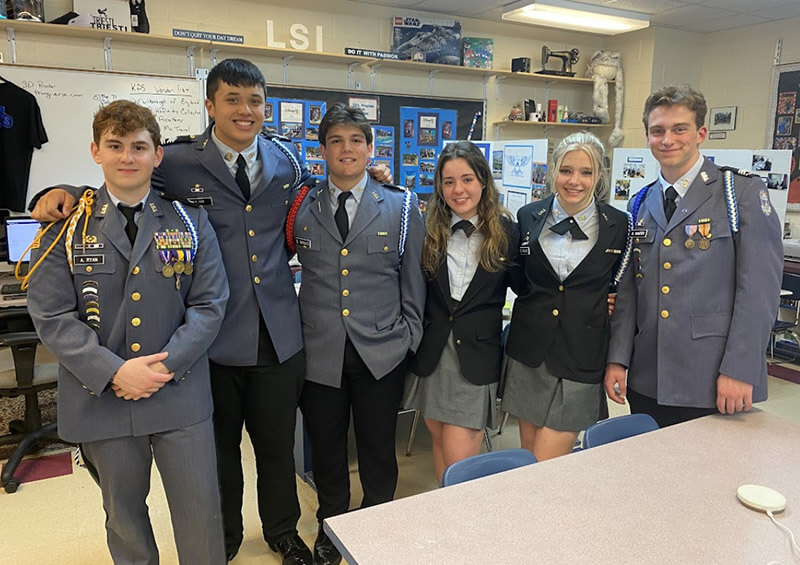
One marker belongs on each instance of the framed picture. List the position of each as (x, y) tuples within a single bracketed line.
[(723, 118), (370, 106)]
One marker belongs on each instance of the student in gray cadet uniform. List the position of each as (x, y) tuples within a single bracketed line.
[(361, 299), (693, 316), (246, 182), (129, 299)]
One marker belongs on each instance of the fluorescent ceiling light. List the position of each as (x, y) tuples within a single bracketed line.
[(562, 14)]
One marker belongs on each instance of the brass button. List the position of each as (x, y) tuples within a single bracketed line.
[(248, 208), (667, 242), (555, 311), (136, 322), (136, 297), (89, 269), (345, 272), (458, 342), (285, 202), (251, 233), (345, 312), (449, 318), (665, 289), (135, 347), (136, 270), (345, 292), (385, 248), (344, 252), (665, 314), (667, 265), (254, 258), (561, 288), (257, 280), (637, 240)]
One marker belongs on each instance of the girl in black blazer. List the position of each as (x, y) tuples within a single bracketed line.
[(468, 252), (571, 250)]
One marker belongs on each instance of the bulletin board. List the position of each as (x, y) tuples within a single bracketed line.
[(784, 126), (453, 118)]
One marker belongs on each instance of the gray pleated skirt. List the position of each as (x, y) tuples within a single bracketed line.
[(544, 400), (445, 395)]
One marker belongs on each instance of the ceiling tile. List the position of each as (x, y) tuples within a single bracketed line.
[(720, 24)]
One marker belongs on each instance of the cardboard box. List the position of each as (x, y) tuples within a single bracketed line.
[(478, 52), (427, 40), (102, 14)]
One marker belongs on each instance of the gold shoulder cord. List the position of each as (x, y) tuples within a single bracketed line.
[(84, 205)]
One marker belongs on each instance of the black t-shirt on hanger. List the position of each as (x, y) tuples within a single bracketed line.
[(21, 129)]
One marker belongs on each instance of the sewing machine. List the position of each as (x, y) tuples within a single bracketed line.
[(568, 58)]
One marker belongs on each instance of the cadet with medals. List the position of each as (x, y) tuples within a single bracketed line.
[(134, 376)]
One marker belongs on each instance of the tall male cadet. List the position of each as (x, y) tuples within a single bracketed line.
[(129, 300), (693, 315), (361, 305), (246, 182)]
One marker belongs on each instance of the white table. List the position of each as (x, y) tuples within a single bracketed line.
[(664, 497)]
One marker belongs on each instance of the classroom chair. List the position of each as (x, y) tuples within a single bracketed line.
[(486, 464), (613, 429)]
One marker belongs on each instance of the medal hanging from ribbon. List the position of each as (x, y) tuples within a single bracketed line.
[(691, 230), (704, 227)]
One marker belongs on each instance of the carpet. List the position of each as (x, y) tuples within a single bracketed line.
[(45, 467), (14, 409), (785, 373)]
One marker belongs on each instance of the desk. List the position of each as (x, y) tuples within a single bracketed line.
[(664, 497)]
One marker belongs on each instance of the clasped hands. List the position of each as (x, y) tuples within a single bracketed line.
[(141, 377)]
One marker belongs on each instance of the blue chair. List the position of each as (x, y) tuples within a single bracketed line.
[(486, 464), (613, 429)]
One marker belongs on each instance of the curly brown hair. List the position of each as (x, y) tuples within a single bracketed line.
[(495, 244), (122, 117)]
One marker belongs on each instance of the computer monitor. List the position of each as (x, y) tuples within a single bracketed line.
[(20, 231)]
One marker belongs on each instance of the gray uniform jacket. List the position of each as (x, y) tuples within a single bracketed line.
[(357, 288), (251, 236), (685, 316), (140, 313)]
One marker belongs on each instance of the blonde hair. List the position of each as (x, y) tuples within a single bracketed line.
[(593, 147), (495, 244)]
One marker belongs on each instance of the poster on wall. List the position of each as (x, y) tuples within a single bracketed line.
[(784, 126), (632, 169), (299, 121), (425, 131)]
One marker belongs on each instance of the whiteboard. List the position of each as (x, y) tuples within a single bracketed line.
[(69, 99)]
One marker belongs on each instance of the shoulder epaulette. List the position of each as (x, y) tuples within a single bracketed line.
[(179, 139), (267, 134), (735, 171), (176, 198), (394, 186)]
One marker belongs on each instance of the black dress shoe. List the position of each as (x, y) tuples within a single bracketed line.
[(325, 553), (293, 550)]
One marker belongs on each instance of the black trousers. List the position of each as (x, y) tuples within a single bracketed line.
[(374, 404), (264, 398), (664, 415)]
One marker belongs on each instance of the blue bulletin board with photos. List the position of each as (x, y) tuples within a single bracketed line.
[(383, 146), (299, 121), (424, 132)]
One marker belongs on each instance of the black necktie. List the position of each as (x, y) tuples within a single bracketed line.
[(670, 204), (130, 213), (341, 215), (465, 225), (241, 177), (569, 225)]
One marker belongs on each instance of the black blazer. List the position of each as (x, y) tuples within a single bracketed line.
[(476, 321), (565, 324)]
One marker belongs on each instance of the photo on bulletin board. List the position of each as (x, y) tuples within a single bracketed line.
[(291, 112), (408, 128), (784, 125), (316, 168), (427, 136), (312, 134), (313, 152), (786, 102), (447, 130), (497, 164), (367, 104), (292, 130), (269, 112), (314, 114)]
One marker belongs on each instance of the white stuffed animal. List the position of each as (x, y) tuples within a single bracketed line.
[(605, 66)]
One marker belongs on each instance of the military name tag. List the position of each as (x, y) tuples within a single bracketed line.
[(303, 242), (617, 251), (89, 259), (87, 246), (639, 232), (201, 200), (524, 250)]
